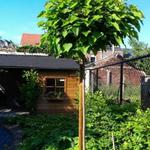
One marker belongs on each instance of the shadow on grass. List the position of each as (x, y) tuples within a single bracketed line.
[(47, 132)]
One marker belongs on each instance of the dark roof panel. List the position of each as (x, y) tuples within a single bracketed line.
[(37, 62)]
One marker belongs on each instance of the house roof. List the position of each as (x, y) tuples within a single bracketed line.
[(37, 62), (30, 39)]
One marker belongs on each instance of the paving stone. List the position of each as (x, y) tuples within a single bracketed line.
[(10, 136), (6, 139)]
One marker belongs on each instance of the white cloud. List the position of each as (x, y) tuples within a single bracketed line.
[(16, 39), (2, 32)]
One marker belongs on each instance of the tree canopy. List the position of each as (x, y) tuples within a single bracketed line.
[(32, 49), (76, 27), (139, 48)]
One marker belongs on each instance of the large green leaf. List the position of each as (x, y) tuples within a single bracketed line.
[(64, 33), (97, 17), (115, 25), (94, 23), (86, 33), (67, 47), (115, 17)]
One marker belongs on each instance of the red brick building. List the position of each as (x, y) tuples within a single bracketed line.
[(111, 75)]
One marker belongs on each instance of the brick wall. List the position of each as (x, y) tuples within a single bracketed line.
[(131, 75)]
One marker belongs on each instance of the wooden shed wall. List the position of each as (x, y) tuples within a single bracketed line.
[(71, 91)]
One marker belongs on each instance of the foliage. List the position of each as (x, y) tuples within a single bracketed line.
[(138, 49), (74, 28), (131, 92), (47, 132), (110, 92), (30, 90), (128, 125), (135, 133), (31, 49)]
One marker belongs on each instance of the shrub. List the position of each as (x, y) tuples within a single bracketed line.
[(47, 132), (30, 90), (135, 132), (128, 124), (125, 125)]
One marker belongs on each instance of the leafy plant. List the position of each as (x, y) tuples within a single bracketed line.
[(134, 133), (139, 48), (55, 95), (74, 28), (47, 132), (30, 90), (127, 124), (32, 49)]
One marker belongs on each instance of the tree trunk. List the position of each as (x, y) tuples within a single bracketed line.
[(82, 108)]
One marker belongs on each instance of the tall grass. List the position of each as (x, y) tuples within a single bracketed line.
[(131, 93)]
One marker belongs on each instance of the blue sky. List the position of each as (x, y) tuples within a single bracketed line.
[(144, 5), (20, 16)]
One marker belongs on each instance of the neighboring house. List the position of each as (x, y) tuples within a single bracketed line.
[(104, 54), (58, 77), (7, 46), (111, 75), (30, 39)]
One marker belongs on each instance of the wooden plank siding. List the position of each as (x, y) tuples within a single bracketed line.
[(71, 90)]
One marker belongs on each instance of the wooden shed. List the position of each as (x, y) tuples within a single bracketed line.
[(59, 79)]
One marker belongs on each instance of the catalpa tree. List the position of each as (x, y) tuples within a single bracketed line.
[(73, 28)]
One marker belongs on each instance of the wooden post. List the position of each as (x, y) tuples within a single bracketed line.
[(113, 141), (121, 83), (96, 79), (82, 110), (108, 77), (90, 81)]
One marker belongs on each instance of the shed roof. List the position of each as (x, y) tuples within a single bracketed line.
[(37, 62)]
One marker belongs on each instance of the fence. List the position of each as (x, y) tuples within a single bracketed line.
[(119, 80)]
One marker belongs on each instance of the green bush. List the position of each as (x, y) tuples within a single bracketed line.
[(125, 125), (30, 90), (129, 126), (47, 132), (135, 132)]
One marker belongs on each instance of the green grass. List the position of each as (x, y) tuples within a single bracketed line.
[(131, 93), (47, 132)]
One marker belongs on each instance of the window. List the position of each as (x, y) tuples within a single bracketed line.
[(92, 58), (55, 88)]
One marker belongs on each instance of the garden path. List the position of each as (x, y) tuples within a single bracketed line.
[(10, 136)]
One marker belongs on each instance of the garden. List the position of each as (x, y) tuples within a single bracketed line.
[(108, 126), (75, 29)]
